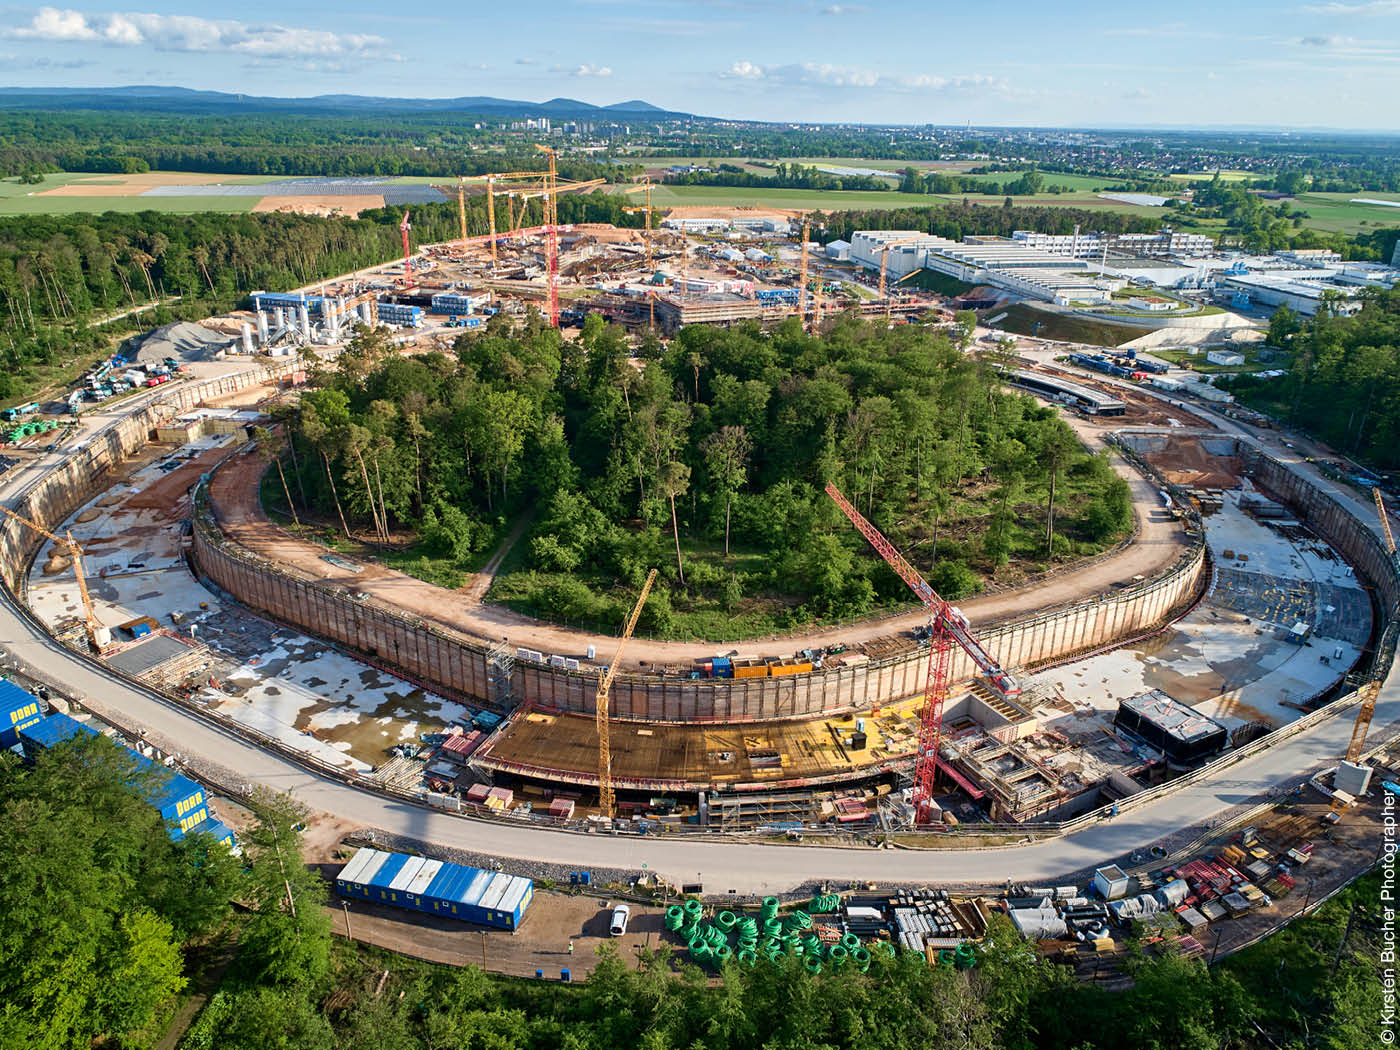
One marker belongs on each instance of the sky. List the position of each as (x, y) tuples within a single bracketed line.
[(1287, 63)]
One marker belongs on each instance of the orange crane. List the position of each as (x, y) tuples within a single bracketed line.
[(802, 279), (404, 227), (606, 802), (462, 208), (75, 553), (949, 627), (644, 185)]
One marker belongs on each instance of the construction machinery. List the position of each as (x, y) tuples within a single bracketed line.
[(551, 221), (1385, 528), (404, 227), (606, 801), (97, 634), (643, 186), (947, 627), (884, 264), (802, 278)]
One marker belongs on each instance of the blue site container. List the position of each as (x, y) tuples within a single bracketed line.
[(51, 731), (721, 667), (272, 300), (399, 313), (18, 710), (177, 798), (490, 898)]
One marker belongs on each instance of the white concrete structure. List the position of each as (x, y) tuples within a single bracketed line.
[(1152, 303), (1027, 272), (1224, 357), (1317, 258), (839, 250), (1299, 290)]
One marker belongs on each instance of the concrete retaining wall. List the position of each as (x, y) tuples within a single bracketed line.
[(458, 665), (84, 472)]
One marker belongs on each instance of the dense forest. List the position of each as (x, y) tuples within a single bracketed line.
[(956, 221), (436, 144), (107, 929), (102, 910), (706, 458), (784, 177), (1343, 379)]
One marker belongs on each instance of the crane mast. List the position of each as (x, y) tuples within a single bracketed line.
[(75, 552), (802, 279), (404, 227), (949, 627), (606, 802)]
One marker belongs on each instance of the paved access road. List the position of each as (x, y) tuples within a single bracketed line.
[(746, 868)]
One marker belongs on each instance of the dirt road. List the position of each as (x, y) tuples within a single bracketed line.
[(234, 495)]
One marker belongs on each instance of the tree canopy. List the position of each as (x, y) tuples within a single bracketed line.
[(707, 459)]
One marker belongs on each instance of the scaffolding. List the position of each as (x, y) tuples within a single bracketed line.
[(500, 673)]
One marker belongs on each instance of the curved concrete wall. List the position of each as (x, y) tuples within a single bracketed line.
[(457, 665), (83, 472)]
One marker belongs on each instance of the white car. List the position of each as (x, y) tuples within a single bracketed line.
[(620, 916)]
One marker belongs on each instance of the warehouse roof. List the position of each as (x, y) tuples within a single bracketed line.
[(1172, 716)]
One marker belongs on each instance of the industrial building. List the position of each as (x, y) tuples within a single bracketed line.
[(1091, 401), (178, 799), (1302, 291), (1181, 733), (489, 898), (1164, 243), (1013, 267)]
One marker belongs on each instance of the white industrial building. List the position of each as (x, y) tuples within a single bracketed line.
[(1165, 242), (1008, 265), (1225, 357), (840, 251), (1300, 290)]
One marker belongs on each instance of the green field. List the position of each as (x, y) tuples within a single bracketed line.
[(1225, 176), (72, 205), (1334, 212)]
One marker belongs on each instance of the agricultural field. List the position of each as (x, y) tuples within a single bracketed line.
[(65, 193), (1335, 212)]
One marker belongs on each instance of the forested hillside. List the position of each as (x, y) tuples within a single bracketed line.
[(706, 459), (1343, 380)]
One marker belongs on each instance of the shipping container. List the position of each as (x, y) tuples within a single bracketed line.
[(437, 887), (177, 798), (18, 710)]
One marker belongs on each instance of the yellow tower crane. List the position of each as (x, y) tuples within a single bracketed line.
[(66, 542), (462, 209), (606, 802), (1371, 690)]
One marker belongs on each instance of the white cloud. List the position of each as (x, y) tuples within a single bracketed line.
[(1370, 7), (190, 33), (586, 70), (1327, 41), (826, 75), (844, 9), (743, 71)]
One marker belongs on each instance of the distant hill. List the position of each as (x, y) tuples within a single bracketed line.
[(155, 98)]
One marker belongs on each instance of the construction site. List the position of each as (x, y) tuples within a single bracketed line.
[(1239, 605)]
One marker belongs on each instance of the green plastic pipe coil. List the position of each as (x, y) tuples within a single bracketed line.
[(813, 964), (849, 941), (725, 920)]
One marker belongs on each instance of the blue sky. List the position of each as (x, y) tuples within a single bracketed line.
[(1328, 63)]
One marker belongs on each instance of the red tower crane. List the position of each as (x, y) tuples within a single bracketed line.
[(949, 626), (404, 227)]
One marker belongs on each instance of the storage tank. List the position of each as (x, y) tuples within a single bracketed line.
[(262, 328), (247, 333), (305, 324)]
